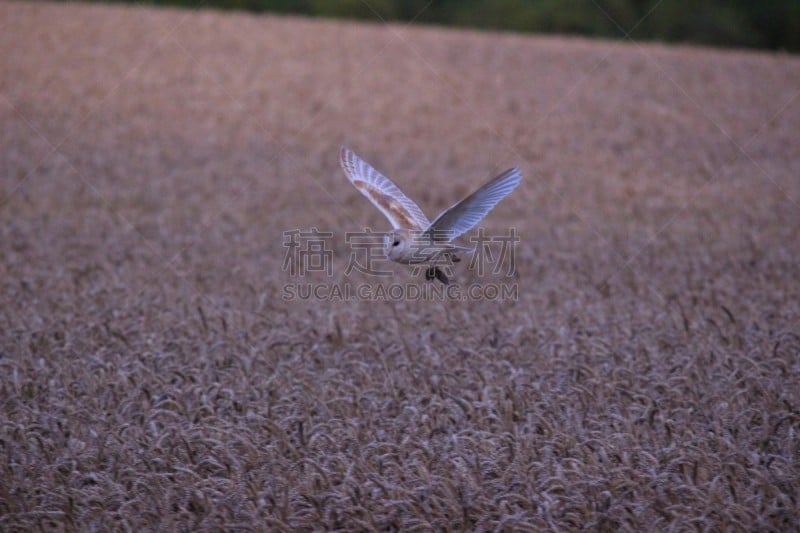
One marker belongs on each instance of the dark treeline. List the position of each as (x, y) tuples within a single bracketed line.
[(773, 24)]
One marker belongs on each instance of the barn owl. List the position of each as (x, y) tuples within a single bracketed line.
[(413, 238)]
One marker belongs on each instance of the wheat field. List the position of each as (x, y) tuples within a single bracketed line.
[(645, 378)]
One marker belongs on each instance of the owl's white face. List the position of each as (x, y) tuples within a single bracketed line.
[(395, 245)]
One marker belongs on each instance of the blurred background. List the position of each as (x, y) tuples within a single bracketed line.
[(736, 23)]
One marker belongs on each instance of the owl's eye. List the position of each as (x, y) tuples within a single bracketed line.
[(396, 243)]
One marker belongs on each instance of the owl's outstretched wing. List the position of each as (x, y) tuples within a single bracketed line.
[(466, 214), (398, 208)]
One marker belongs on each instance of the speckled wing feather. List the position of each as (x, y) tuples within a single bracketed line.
[(466, 214), (398, 208)]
